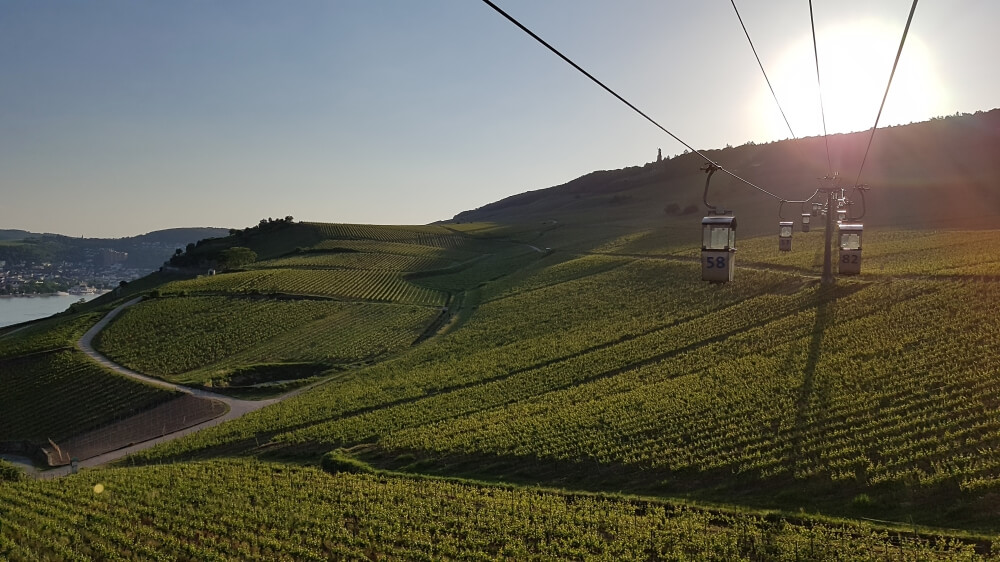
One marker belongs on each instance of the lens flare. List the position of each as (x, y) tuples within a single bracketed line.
[(854, 64)]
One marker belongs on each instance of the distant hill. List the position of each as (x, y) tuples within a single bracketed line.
[(938, 173), (145, 251), (8, 234), (174, 235)]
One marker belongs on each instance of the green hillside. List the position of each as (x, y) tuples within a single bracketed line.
[(936, 174), (548, 377), (621, 370)]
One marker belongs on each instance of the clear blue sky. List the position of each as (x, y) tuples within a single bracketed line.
[(121, 117)]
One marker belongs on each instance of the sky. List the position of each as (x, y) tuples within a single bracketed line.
[(120, 117)]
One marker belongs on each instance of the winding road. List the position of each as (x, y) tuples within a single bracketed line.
[(236, 407)]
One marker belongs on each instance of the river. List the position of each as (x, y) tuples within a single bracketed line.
[(14, 310)]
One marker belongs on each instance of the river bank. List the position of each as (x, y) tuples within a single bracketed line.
[(15, 309)]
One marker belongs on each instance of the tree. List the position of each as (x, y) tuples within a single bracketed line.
[(236, 257)]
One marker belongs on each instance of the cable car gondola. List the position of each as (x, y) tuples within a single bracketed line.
[(849, 239), (718, 248), (785, 236)]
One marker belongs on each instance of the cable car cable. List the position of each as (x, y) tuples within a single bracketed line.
[(899, 52), (588, 75), (761, 65), (623, 100), (819, 85)]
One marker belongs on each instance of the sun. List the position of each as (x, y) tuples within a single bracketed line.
[(855, 62)]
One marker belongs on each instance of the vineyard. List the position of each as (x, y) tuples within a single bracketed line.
[(417, 234), (193, 339), (887, 253), (509, 337), (395, 248), (246, 510), (358, 260), (910, 418), (475, 273), (374, 284), (550, 272), (54, 395), (55, 333), (591, 359), (632, 363), (52, 391)]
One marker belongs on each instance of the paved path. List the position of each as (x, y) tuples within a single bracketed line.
[(24, 463), (237, 407)]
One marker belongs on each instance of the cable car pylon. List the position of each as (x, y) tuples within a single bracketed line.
[(831, 201)]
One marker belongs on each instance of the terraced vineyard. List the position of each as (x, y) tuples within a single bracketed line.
[(52, 391), (394, 248), (56, 394), (429, 235), (220, 511), (376, 285), (358, 260), (211, 336), (55, 333)]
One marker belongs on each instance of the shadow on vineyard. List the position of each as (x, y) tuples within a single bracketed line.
[(900, 504), (268, 379), (825, 311)]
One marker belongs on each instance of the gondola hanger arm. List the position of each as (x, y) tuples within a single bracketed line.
[(710, 168)]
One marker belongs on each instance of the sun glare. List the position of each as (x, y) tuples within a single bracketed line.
[(855, 62)]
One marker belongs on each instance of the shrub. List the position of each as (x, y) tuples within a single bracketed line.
[(338, 460), (862, 501), (10, 473)]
